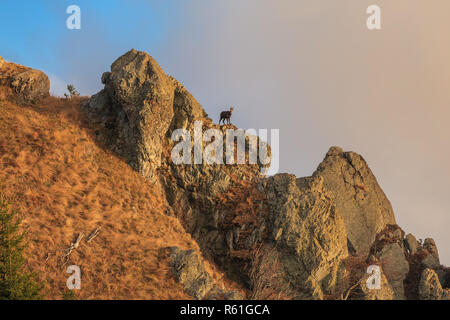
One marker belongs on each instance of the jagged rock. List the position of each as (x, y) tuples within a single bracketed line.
[(1, 61), (219, 294), (358, 197), (430, 261), (395, 266), (194, 191), (186, 109), (389, 249), (411, 244), (431, 247), (190, 271), (234, 295), (304, 221), (430, 288), (137, 104), (432, 256), (29, 86), (391, 233), (105, 77)]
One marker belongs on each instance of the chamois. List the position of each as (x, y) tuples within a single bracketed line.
[(226, 115)]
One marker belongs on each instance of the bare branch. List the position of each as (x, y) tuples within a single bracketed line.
[(71, 248), (93, 235)]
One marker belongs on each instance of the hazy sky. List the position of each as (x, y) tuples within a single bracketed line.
[(310, 68)]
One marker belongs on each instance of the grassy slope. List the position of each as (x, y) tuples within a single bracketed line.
[(64, 183)]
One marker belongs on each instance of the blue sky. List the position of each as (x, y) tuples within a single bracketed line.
[(34, 33)]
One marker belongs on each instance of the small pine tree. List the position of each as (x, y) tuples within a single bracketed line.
[(15, 282), (73, 92)]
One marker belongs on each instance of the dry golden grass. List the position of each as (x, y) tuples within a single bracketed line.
[(53, 170)]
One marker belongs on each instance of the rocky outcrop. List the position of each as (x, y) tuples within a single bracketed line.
[(310, 232), (430, 288), (186, 109), (315, 223), (363, 205), (190, 271), (396, 267), (412, 245), (30, 86), (390, 251), (431, 259), (22, 84), (136, 114), (302, 218), (136, 108)]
